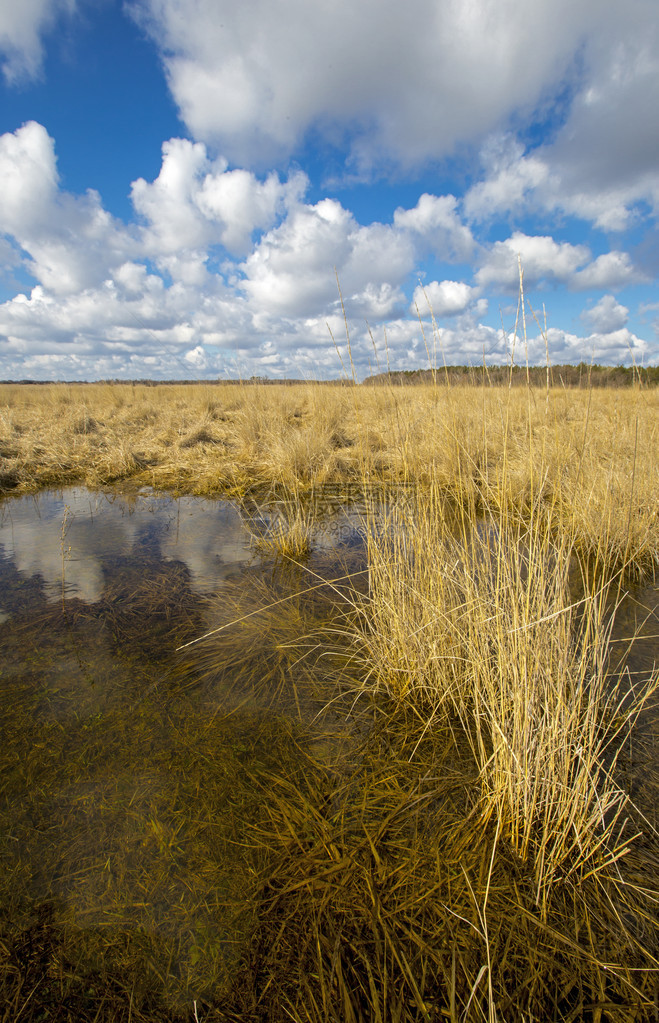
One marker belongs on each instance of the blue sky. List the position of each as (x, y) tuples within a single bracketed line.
[(182, 180)]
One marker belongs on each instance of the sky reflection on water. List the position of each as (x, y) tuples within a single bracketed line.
[(75, 530)]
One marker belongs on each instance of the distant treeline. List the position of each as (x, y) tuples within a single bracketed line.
[(584, 375)]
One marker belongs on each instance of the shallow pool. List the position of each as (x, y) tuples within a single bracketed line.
[(132, 775)]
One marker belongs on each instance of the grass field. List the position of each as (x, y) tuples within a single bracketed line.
[(589, 456), (480, 858)]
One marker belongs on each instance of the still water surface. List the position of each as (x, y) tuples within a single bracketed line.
[(133, 778)]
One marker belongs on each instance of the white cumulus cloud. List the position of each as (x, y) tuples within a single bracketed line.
[(289, 271), (559, 177), (196, 202), (70, 240), (610, 270), (437, 224), (415, 80), (443, 298), (28, 171), (541, 258), (607, 315), (511, 179), (22, 26)]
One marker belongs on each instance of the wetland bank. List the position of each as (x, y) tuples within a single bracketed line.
[(315, 705)]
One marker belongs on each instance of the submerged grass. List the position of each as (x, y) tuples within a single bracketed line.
[(126, 797), (283, 526), (385, 903)]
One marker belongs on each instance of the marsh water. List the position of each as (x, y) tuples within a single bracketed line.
[(136, 764), (132, 776)]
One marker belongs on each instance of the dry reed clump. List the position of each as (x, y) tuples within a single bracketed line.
[(283, 526), (85, 424), (288, 438), (475, 622), (202, 435)]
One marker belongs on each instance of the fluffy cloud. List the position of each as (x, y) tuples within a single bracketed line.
[(28, 172), (437, 224), (559, 178), (114, 330), (544, 259), (510, 179), (22, 26), (610, 270), (76, 248), (618, 347), (287, 273), (541, 258), (197, 358), (445, 298), (195, 202), (376, 301), (607, 315), (99, 302), (70, 240), (416, 80)]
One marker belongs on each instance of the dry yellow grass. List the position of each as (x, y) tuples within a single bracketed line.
[(480, 625), (589, 456)]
